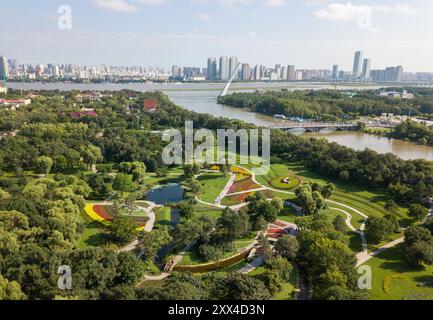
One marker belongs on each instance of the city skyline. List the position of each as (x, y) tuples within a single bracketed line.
[(318, 34)]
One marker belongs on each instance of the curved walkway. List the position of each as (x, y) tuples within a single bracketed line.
[(149, 225)]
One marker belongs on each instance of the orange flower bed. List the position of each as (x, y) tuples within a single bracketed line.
[(244, 185), (100, 213)]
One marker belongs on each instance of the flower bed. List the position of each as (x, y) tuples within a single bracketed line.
[(235, 199), (284, 183), (238, 170), (101, 214), (244, 184)]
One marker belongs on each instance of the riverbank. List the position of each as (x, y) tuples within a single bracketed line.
[(202, 98)]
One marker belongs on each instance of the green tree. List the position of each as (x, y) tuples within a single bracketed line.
[(10, 290), (328, 190), (233, 225), (123, 229), (339, 223), (91, 155), (130, 269), (123, 183), (418, 212), (44, 165), (287, 247)]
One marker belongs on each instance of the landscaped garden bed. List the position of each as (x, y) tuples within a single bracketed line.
[(285, 182), (101, 214), (243, 183)]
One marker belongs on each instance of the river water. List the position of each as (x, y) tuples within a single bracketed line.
[(202, 97)]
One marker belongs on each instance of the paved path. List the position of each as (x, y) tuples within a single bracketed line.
[(149, 225), (226, 189), (246, 191), (363, 257)]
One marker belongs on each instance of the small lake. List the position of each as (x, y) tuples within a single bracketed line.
[(170, 193), (162, 195)]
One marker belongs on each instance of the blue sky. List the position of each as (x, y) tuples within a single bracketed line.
[(307, 33)]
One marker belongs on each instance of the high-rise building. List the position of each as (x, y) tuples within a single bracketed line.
[(335, 74), (399, 74), (211, 69), (4, 68), (291, 73), (224, 71), (357, 65), (233, 63), (257, 73), (366, 69), (390, 74), (176, 71), (284, 73), (246, 72)]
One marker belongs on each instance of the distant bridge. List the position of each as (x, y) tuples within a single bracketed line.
[(232, 77), (316, 126)]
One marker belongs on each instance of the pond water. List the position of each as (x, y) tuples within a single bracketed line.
[(170, 193), (162, 195)]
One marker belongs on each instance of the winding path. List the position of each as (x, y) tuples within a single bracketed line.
[(362, 257), (149, 225)]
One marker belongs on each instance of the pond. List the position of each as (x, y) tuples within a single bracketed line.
[(163, 195)]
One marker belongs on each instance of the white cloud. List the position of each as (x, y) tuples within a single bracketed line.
[(252, 34), (274, 3), (233, 3), (349, 11), (342, 12), (115, 5), (152, 3)]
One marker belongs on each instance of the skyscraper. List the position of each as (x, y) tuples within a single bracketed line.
[(284, 73), (246, 71), (357, 65), (224, 69), (335, 72), (257, 73), (291, 73), (4, 68), (366, 69), (211, 69), (233, 63), (176, 71)]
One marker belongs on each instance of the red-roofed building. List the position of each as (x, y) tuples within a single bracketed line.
[(84, 113), (150, 105)]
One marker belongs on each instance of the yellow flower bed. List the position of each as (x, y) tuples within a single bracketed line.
[(238, 170), (89, 209), (215, 167), (96, 217)]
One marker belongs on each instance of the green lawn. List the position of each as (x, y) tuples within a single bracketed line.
[(93, 235), (370, 202), (213, 184), (404, 281), (162, 216)]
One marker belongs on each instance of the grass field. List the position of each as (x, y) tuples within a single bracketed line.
[(162, 216), (402, 280), (93, 235), (213, 184)]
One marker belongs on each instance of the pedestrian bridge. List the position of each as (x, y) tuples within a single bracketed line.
[(316, 126)]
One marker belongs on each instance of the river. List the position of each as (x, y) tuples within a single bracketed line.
[(202, 97)]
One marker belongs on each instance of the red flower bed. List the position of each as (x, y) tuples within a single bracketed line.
[(280, 231), (101, 211), (244, 185), (280, 224)]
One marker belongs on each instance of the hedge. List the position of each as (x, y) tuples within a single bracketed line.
[(203, 268)]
